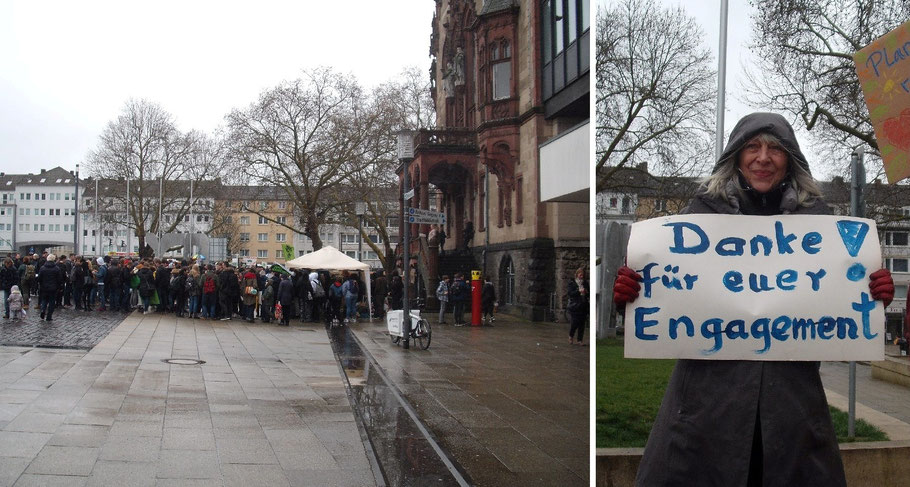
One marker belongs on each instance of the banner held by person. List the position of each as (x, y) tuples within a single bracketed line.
[(725, 287)]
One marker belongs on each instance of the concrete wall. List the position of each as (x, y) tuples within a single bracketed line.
[(893, 369), (879, 464)]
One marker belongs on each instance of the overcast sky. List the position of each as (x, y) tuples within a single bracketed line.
[(739, 33), (67, 68)]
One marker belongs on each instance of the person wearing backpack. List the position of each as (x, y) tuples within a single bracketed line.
[(209, 294), (26, 280), (351, 292), (318, 301)]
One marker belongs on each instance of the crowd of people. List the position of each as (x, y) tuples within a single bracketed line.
[(189, 288)]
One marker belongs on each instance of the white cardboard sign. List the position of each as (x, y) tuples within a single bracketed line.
[(786, 287)]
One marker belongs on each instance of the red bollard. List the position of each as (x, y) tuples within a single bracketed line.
[(476, 288)]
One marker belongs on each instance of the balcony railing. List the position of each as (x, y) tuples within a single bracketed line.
[(446, 139)]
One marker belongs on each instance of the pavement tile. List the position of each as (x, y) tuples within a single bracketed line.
[(188, 464), (64, 460), (131, 448), (132, 474), (33, 480), (104, 417), (136, 428), (11, 469), (254, 475), (19, 444), (36, 422), (188, 439), (79, 435), (245, 450)]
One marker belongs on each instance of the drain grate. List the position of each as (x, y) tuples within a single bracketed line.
[(183, 361)]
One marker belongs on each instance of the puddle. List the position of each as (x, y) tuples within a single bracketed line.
[(403, 447)]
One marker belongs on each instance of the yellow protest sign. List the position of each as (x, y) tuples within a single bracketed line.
[(883, 68)]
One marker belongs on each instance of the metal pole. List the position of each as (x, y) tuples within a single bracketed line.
[(192, 219), (97, 222), (857, 209), (486, 216), (127, 223), (406, 264), (160, 201), (76, 216), (721, 82)]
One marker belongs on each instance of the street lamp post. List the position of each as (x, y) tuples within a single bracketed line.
[(359, 209), (76, 215), (405, 155)]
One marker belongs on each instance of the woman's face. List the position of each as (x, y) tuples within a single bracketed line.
[(763, 164), (580, 274)]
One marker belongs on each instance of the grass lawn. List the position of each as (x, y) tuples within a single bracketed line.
[(629, 392)]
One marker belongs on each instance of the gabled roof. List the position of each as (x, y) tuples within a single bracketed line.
[(52, 177)]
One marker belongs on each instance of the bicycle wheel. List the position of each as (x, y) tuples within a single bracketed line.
[(422, 334)]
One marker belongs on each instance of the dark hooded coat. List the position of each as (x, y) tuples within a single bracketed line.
[(713, 410)]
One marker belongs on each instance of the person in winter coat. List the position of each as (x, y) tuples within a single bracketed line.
[(250, 288), (351, 292), (209, 286), (740, 422), (396, 292), (318, 293), (304, 292), (27, 274), (267, 302), (15, 303), (50, 280), (577, 307), (228, 292), (194, 291), (442, 294), (335, 295), (460, 295), (286, 298), (179, 292), (488, 302), (146, 285), (77, 281), (9, 277)]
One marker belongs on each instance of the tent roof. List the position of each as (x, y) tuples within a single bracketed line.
[(328, 258)]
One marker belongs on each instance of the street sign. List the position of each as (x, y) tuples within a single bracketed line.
[(409, 194), (428, 213), (423, 220)]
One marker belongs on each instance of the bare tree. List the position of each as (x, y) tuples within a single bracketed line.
[(310, 137), (144, 146), (655, 91), (804, 51)]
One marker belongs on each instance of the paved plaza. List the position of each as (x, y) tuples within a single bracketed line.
[(94, 402)]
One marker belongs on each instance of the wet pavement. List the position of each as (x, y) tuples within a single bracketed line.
[(405, 451), (510, 403), (267, 407), (69, 328)]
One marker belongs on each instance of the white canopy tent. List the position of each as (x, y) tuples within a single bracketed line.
[(331, 259)]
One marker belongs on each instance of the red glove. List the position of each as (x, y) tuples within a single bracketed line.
[(626, 287), (882, 286)]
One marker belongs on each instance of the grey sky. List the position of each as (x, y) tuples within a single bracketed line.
[(67, 68), (739, 59)]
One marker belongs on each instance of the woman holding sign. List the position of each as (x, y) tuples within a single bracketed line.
[(741, 422)]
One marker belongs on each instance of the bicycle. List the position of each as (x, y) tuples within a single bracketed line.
[(420, 329)]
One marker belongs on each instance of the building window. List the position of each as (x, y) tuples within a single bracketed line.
[(519, 200), (565, 43), (244, 220), (263, 205), (896, 239), (262, 254), (263, 237), (626, 205), (370, 255), (281, 237), (351, 253), (263, 220), (244, 252), (348, 238), (502, 70), (244, 237), (283, 220), (282, 205), (279, 254), (375, 239), (896, 265)]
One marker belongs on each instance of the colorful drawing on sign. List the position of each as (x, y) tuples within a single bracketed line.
[(883, 68), (755, 288)]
